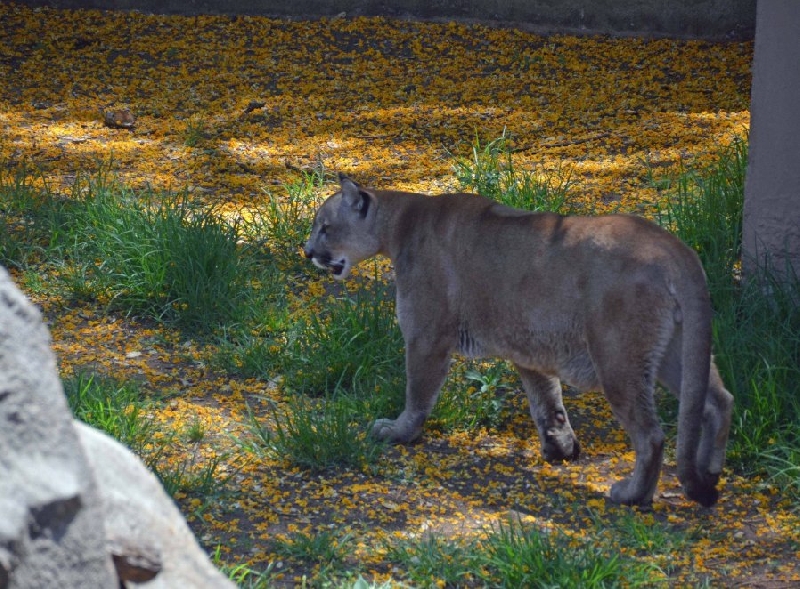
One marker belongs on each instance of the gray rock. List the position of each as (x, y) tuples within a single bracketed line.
[(146, 533), (51, 532), (77, 508)]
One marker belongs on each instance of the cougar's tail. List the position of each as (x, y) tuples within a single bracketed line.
[(696, 363)]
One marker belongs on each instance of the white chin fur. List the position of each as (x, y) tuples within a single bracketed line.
[(329, 267)]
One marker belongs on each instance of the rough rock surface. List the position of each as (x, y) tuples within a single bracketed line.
[(144, 529), (77, 508), (51, 532)]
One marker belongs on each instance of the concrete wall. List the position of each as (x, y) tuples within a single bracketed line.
[(696, 18), (772, 190)]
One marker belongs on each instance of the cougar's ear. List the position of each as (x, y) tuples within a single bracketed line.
[(353, 197)]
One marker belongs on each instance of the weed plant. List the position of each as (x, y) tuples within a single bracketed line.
[(474, 395)]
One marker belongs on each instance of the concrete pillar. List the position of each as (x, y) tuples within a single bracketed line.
[(772, 190)]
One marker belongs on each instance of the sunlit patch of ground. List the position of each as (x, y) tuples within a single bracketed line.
[(232, 107), (224, 105)]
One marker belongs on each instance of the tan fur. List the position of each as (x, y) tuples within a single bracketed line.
[(613, 303)]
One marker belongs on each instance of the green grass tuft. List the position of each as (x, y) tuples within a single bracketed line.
[(31, 219), (431, 559), (353, 343), (491, 172), (704, 209), (519, 556), (112, 407), (121, 411), (513, 555), (155, 255), (318, 434)]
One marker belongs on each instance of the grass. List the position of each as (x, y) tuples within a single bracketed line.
[(121, 410), (326, 550), (354, 343), (515, 555), (704, 209), (758, 344), (195, 132), (244, 576), (193, 477), (31, 219), (137, 252), (145, 254), (287, 220), (160, 256), (646, 535), (527, 557), (433, 560), (317, 434), (492, 172), (113, 407)]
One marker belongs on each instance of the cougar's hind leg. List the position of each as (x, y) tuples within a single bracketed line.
[(634, 408), (547, 410), (628, 381)]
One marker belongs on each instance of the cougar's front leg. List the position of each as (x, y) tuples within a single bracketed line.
[(426, 368)]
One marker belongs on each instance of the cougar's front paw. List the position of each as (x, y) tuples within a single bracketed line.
[(382, 429), (395, 431), (626, 492)]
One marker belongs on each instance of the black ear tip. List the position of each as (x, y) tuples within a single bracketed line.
[(345, 179)]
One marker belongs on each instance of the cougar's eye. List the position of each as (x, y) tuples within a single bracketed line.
[(323, 230)]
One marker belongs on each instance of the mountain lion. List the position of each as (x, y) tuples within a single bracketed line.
[(613, 303)]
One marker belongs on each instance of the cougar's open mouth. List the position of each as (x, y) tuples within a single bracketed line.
[(336, 267)]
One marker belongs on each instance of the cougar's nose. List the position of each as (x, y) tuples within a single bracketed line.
[(308, 251)]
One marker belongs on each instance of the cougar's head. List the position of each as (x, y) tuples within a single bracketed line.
[(343, 233)]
